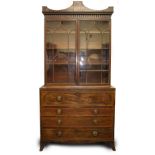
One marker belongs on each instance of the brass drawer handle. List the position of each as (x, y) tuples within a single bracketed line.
[(95, 111), (95, 133), (59, 98), (59, 111), (59, 121), (95, 121), (59, 133)]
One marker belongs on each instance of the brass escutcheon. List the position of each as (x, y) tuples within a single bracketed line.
[(95, 111), (59, 111), (95, 121), (59, 133), (95, 133), (59, 98), (59, 121)]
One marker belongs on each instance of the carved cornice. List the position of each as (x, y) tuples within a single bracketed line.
[(77, 8)]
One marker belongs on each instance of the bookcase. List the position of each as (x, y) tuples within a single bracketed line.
[(77, 101)]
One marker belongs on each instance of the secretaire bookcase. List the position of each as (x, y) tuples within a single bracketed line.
[(77, 101)]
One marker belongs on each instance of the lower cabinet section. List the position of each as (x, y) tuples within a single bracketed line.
[(77, 115)]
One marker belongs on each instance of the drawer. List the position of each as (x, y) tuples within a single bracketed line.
[(105, 98), (103, 111), (48, 122), (77, 135), (55, 99)]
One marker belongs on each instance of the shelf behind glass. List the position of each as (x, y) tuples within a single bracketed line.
[(100, 77), (61, 74)]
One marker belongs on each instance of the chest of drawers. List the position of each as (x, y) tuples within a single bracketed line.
[(77, 115)]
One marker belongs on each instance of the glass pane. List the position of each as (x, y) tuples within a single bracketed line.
[(60, 51), (94, 52)]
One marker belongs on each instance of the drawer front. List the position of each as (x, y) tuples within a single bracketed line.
[(48, 122), (105, 98), (51, 98), (103, 111), (77, 135)]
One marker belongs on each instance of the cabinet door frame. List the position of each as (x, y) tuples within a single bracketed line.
[(50, 19), (78, 46)]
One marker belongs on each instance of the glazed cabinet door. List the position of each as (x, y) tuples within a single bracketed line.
[(94, 56), (60, 51)]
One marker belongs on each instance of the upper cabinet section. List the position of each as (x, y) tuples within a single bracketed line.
[(77, 45)]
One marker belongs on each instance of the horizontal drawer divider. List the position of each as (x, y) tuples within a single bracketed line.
[(78, 105), (80, 127), (84, 107), (72, 116), (80, 140), (72, 127), (60, 116)]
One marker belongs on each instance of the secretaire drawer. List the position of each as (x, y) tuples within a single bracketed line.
[(76, 121), (105, 98), (94, 111), (77, 134)]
